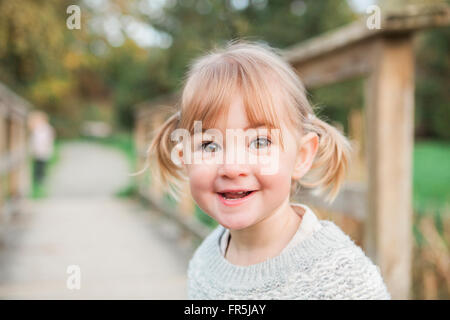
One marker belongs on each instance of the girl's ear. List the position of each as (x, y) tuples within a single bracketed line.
[(182, 161), (181, 158), (309, 144), (177, 156)]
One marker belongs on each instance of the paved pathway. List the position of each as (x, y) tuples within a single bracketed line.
[(123, 250)]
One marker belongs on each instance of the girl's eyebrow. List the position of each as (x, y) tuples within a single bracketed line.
[(256, 126)]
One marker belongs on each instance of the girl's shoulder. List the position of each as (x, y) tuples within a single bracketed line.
[(208, 246), (352, 273)]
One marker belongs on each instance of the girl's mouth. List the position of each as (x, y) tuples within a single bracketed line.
[(235, 198)]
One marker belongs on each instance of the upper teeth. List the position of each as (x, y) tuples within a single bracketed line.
[(240, 192)]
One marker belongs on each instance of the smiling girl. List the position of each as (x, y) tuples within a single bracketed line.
[(265, 247)]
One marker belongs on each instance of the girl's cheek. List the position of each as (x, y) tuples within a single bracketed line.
[(279, 181), (201, 177)]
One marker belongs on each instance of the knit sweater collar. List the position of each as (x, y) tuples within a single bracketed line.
[(308, 224), (274, 271)]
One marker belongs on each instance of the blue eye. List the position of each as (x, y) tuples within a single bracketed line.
[(261, 142), (206, 146)]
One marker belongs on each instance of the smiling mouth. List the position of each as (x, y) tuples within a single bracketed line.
[(235, 195)]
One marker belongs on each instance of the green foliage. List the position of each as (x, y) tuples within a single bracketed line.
[(197, 26), (432, 115)]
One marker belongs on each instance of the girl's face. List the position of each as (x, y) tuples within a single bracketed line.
[(210, 180)]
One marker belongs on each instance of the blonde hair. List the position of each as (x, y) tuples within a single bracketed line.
[(265, 82)]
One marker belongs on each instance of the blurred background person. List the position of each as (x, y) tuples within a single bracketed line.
[(42, 137)]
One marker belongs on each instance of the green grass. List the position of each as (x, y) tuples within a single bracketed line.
[(431, 186), (431, 177)]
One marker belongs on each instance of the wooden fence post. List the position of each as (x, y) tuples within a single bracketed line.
[(3, 137), (389, 124), (13, 147)]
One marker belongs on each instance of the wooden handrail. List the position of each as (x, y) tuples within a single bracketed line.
[(13, 151), (409, 19)]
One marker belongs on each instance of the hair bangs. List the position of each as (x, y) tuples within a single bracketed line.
[(208, 95), (215, 82), (261, 100)]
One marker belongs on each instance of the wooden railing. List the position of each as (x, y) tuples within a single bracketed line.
[(383, 204), (13, 152)]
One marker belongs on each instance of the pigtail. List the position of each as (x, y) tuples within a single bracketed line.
[(331, 163), (163, 170)]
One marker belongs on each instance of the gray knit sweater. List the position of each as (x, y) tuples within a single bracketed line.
[(326, 265)]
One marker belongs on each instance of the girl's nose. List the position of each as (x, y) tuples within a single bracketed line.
[(233, 169), (234, 161)]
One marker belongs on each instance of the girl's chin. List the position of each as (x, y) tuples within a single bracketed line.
[(235, 224)]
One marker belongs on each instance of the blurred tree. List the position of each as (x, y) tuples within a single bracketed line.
[(34, 59), (197, 26)]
